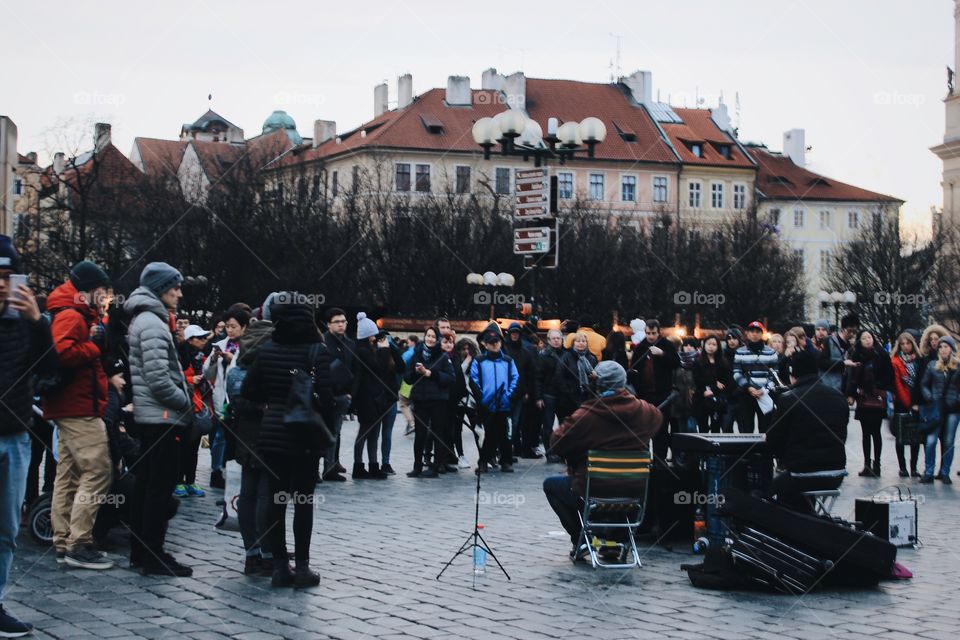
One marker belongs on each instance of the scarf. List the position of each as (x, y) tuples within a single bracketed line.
[(687, 358), (584, 369)]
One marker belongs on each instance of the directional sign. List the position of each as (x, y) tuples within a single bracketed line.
[(551, 258), (531, 240), (533, 194)]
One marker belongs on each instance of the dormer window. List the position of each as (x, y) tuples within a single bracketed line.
[(782, 180), (431, 124), (696, 149), (626, 133), (724, 150)]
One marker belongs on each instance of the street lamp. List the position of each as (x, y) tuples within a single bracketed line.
[(836, 298), (489, 279), (519, 135)]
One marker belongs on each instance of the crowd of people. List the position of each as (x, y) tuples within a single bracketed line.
[(135, 388)]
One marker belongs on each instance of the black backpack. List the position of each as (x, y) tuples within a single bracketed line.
[(301, 415)]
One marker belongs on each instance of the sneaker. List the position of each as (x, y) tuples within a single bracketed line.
[(926, 479), (180, 491), (387, 469), (165, 565), (462, 462), (216, 479), (540, 450), (10, 627), (61, 557), (87, 557), (195, 490)]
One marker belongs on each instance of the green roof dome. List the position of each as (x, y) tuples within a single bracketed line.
[(281, 120)]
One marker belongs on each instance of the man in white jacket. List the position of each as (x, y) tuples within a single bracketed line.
[(218, 364)]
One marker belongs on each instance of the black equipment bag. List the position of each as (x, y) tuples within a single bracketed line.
[(856, 557)]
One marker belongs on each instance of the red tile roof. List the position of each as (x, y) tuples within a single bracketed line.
[(565, 99), (698, 127), (160, 157), (217, 157), (108, 174), (779, 178)]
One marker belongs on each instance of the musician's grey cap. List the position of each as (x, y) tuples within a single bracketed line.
[(610, 375)]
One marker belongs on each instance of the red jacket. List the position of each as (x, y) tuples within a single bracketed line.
[(79, 358), (905, 397)]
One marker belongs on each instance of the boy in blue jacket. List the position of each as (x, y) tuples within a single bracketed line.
[(494, 377)]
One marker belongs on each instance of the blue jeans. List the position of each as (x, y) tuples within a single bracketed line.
[(14, 463), (386, 443), (218, 446), (948, 432)]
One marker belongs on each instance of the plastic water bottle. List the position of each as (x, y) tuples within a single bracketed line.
[(479, 558), (699, 531)]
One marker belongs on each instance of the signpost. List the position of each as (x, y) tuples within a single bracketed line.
[(535, 224)]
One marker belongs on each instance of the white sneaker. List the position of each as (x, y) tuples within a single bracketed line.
[(540, 450), (462, 463)]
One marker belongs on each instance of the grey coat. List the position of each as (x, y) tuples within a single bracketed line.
[(160, 393)]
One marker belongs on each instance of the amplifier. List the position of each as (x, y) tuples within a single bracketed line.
[(892, 520)]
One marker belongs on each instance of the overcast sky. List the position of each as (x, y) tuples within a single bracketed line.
[(865, 78)]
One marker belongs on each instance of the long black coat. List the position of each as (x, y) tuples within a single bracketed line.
[(268, 380), (810, 427)]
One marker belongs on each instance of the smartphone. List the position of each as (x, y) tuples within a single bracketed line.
[(16, 280)]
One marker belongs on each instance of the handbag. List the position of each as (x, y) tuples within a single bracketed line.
[(906, 429), (301, 415), (876, 400), (203, 421)]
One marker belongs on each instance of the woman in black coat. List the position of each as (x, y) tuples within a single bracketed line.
[(430, 374), (575, 372), (712, 380), (867, 385), (291, 458)]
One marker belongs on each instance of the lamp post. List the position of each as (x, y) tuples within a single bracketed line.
[(836, 298), (519, 135), (489, 279)]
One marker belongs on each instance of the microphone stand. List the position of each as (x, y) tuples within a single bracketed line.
[(475, 540)]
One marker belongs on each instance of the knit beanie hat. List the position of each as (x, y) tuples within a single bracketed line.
[(950, 341), (160, 277), (9, 258), (366, 327), (86, 276), (610, 375)]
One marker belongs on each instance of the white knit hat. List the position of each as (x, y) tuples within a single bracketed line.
[(366, 327)]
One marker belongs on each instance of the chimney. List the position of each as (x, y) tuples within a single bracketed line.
[(381, 96), (101, 136), (404, 90), (59, 162), (640, 84), (323, 130), (458, 91), (795, 146), (515, 86), (721, 118), (492, 80)]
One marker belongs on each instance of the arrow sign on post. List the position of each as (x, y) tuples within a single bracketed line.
[(531, 240), (533, 194)]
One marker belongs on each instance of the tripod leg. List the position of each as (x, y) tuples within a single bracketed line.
[(483, 544), (468, 543)]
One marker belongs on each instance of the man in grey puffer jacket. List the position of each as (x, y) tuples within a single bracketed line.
[(162, 407)]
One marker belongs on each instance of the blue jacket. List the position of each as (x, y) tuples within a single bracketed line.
[(496, 376)]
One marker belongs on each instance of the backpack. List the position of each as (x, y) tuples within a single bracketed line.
[(61, 377), (301, 415)]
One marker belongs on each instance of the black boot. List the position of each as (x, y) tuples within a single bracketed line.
[(303, 578), (359, 472), (417, 470), (866, 472), (876, 468), (282, 575), (430, 472), (376, 472)]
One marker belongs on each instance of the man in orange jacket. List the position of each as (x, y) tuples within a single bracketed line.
[(78, 406)]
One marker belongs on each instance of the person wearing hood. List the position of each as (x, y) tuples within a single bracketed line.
[(79, 406), (494, 379), (682, 418), (162, 409), (867, 385), (290, 457), (430, 375), (26, 349), (611, 420), (524, 417), (941, 404), (253, 504)]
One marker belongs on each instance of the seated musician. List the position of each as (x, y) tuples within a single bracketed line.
[(612, 419), (807, 435)]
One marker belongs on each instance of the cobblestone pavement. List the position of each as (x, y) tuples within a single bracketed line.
[(379, 546)]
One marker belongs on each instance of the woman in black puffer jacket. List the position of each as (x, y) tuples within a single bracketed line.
[(291, 458), (430, 372)]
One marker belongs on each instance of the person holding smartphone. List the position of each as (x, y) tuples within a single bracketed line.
[(25, 347)]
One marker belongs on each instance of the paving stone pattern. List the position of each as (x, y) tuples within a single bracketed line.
[(379, 545)]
